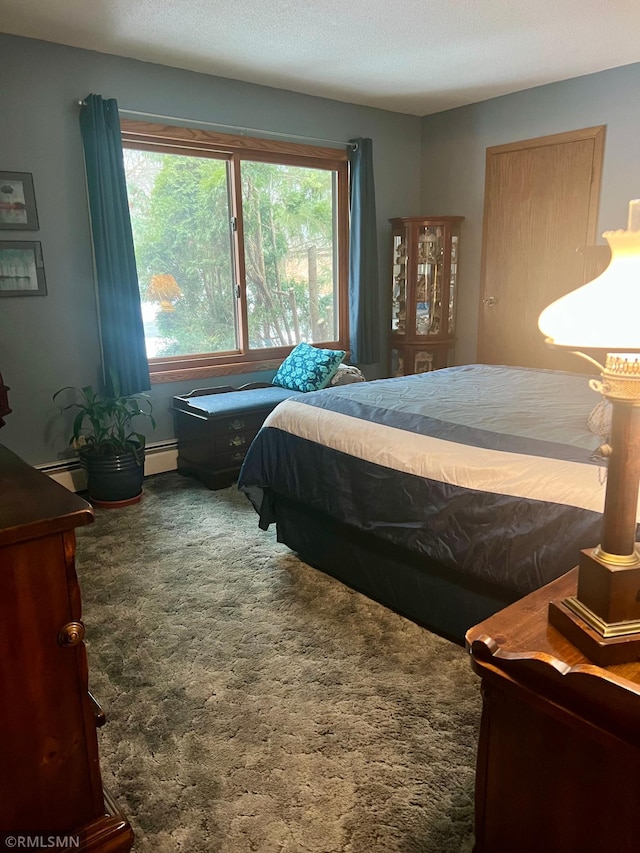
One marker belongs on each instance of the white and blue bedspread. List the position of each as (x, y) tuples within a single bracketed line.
[(488, 470)]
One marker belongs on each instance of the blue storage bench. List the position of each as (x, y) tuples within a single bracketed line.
[(215, 427)]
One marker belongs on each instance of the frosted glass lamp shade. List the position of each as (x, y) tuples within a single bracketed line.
[(605, 313)]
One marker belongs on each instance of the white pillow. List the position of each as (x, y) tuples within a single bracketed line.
[(346, 374)]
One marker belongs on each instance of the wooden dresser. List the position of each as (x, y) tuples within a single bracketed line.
[(50, 783), (559, 753)]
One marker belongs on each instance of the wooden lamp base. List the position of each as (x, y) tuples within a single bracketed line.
[(604, 651), (603, 618)]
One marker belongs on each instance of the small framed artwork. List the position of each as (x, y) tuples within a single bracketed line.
[(17, 202), (21, 269)]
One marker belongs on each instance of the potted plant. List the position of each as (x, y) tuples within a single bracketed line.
[(110, 449)]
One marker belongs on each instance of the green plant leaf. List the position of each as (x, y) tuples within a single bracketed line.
[(105, 424)]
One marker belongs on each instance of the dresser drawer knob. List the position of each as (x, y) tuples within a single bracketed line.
[(237, 441), (236, 424), (72, 634)]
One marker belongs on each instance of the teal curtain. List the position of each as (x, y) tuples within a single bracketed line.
[(364, 296), (121, 329)]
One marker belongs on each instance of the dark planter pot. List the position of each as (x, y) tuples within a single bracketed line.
[(114, 479)]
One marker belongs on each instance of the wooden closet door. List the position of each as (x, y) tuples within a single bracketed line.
[(541, 205)]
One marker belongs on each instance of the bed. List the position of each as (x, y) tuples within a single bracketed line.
[(445, 495)]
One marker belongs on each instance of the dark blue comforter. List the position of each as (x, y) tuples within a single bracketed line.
[(489, 470)]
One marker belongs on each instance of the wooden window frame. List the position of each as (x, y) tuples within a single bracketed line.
[(189, 141)]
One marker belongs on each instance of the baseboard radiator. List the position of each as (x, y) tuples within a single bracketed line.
[(161, 456)]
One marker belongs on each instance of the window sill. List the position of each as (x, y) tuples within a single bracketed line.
[(163, 373)]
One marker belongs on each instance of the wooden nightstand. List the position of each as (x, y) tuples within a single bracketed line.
[(558, 766)]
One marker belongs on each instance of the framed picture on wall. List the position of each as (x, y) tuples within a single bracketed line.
[(17, 202), (21, 269)]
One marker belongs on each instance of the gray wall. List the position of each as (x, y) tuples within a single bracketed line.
[(454, 145), (46, 343)]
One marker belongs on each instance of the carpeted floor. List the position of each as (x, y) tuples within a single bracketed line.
[(255, 704)]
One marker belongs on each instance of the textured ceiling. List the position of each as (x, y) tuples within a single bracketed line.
[(412, 56)]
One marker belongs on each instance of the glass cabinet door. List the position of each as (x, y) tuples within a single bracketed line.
[(423, 361), (453, 285), (429, 280), (397, 363), (399, 299)]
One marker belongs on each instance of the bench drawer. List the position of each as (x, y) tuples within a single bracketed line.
[(225, 442)]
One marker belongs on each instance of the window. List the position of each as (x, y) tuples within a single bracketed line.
[(241, 248)]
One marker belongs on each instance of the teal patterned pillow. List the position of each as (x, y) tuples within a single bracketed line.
[(308, 368)]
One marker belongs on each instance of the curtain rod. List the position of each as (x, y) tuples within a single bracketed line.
[(352, 145)]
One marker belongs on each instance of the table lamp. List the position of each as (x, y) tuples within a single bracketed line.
[(603, 618)]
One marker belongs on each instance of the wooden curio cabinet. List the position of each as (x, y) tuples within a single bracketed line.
[(424, 291)]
